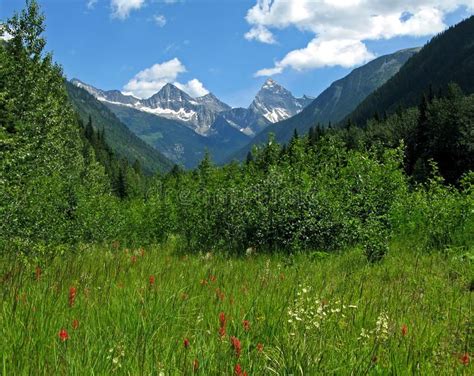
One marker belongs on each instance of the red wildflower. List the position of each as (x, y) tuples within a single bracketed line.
[(195, 365), (72, 296), (186, 343), (222, 324), (38, 273), (152, 280), (75, 324), (236, 345), (260, 347), (222, 319), (465, 359), (212, 278), (238, 370), (133, 259), (404, 330), (63, 336), (246, 325), (222, 331)]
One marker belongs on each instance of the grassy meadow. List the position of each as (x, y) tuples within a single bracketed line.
[(155, 311)]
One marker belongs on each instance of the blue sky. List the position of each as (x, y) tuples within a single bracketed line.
[(220, 46)]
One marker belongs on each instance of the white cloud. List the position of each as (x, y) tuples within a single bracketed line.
[(194, 88), (318, 54), (160, 20), (121, 8), (91, 4), (151, 80), (341, 27), (261, 34)]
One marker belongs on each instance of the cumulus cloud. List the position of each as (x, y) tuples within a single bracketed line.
[(91, 4), (341, 27), (194, 88), (261, 34), (319, 53), (149, 81), (121, 8), (160, 20)]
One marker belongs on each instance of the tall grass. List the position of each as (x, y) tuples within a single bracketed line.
[(308, 314)]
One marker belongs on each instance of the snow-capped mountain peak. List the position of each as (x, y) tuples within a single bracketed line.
[(276, 103)]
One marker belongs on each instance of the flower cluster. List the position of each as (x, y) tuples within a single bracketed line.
[(238, 370), (222, 324), (309, 312), (236, 346), (116, 355), (381, 332), (63, 335), (381, 327), (72, 296)]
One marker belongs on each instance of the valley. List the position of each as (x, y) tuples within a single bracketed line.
[(158, 229)]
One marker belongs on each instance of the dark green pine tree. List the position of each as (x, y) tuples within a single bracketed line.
[(311, 136), (120, 187), (416, 153), (249, 158), (89, 130)]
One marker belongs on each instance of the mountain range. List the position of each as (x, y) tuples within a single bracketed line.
[(183, 127)]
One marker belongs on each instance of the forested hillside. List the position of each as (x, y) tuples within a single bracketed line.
[(120, 139), (448, 58)]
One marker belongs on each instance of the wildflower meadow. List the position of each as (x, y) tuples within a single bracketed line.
[(154, 311)]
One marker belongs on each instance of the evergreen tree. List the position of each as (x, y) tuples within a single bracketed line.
[(249, 158)]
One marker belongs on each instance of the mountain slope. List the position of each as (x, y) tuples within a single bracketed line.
[(245, 120), (449, 57), (176, 140), (336, 102), (120, 139)]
